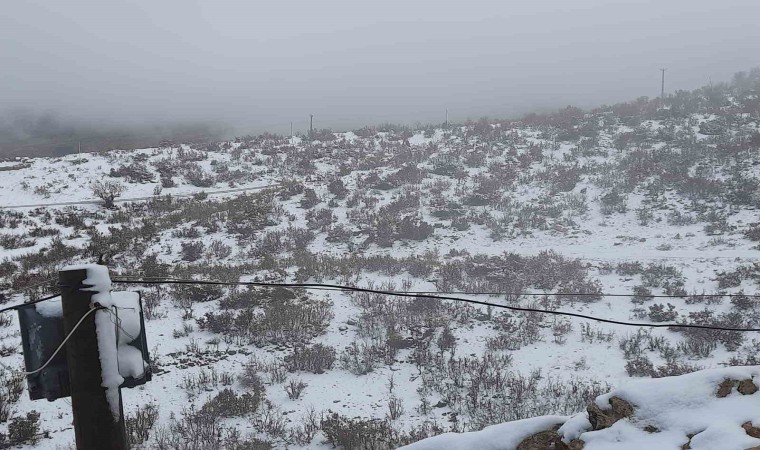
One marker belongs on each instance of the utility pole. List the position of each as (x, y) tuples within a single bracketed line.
[(311, 125), (291, 130), (447, 117), (662, 90), (95, 424)]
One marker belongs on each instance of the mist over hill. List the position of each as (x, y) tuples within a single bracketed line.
[(128, 66), (28, 133)]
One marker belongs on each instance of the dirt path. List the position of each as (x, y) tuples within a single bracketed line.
[(137, 199)]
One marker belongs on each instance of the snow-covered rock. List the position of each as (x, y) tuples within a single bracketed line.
[(710, 409)]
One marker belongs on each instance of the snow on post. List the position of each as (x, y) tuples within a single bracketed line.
[(99, 282)]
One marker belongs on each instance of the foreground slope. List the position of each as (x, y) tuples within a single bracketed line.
[(707, 410)]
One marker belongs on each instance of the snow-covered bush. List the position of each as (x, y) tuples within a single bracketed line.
[(359, 434), (107, 191), (659, 313), (139, 424), (11, 388), (136, 172), (197, 176), (23, 430), (360, 359), (229, 404), (316, 359), (294, 388)]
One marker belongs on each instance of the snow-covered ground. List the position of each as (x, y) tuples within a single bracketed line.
[(513, 209), (668, 413)]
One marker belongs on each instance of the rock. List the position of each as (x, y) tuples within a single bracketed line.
[(725, 387), (576, 444), (544, 440), (747, 387), (604, 418), (687, 445), (751, 429)]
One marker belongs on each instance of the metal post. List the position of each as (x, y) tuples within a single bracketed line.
[(95, 426)]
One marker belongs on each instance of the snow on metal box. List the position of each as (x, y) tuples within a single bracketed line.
[(42, 332)]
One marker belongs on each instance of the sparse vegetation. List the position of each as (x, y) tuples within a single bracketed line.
[(547, 213)]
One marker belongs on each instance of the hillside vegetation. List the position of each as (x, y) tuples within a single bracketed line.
[(551, 211)]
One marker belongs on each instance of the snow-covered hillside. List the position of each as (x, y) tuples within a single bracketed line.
[(553, 211)]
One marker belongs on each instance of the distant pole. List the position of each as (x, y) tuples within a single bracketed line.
[(311, 125), (447, 117), (94, 424), (662, 90), (291, 130)]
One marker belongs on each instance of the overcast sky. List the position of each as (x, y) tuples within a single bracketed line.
[(259, 65)]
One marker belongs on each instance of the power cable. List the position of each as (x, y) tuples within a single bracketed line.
[(436, 297), (329, 287), (15, 307)]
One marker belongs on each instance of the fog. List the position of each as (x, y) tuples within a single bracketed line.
[(260, 65)]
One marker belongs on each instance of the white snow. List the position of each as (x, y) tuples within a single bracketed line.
[(725, 436), (50, 308), (599, 241), (496, 437), (131, 363), (685, 404), (574, 427), (676, 406)]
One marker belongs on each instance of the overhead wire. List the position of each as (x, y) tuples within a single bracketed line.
[(407, 294), (322, 286), (435, 297), (21, 305)]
